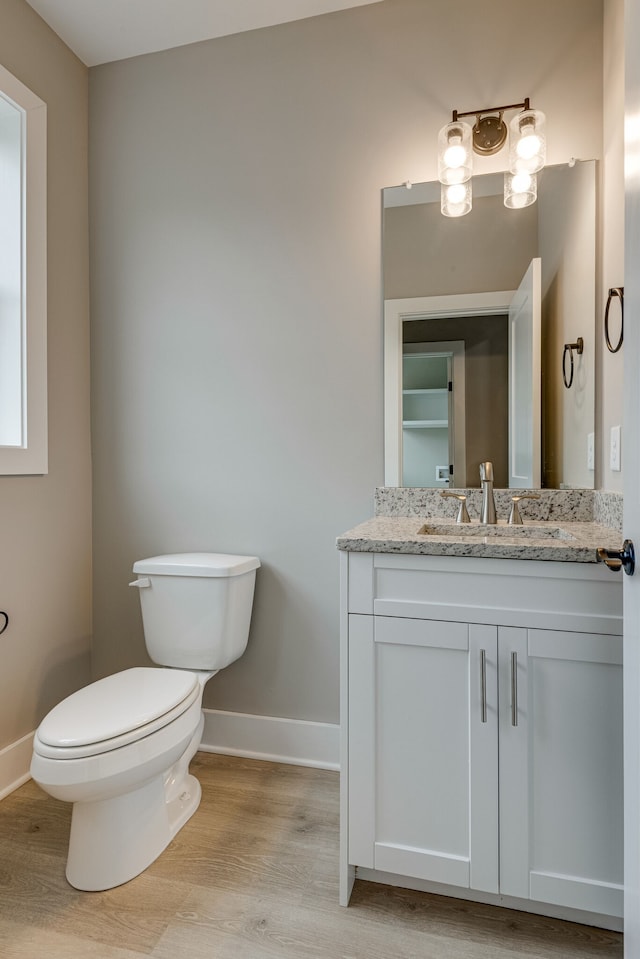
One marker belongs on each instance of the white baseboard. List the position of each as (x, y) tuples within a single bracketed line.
[(293, 741), (15, 761)]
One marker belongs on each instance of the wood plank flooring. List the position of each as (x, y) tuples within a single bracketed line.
[(253, 875)]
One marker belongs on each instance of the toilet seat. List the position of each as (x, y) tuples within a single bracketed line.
[(113, 771), (116, 711)]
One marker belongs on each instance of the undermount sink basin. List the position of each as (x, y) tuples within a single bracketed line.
[(485, 531)]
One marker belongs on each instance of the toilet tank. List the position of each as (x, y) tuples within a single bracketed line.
[(196, 607)]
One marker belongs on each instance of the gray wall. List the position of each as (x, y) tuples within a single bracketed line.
[(609, 366), (428, 254), (236, 294), (568, 253), (45, 543)]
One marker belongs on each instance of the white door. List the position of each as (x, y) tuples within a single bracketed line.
[(423, 757), (631, 420), (560, 746), (524, 380)]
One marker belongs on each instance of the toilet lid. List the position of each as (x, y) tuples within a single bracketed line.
[(197, 564), (117, 705)]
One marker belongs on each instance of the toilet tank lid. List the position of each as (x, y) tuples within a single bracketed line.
[(197, 564)]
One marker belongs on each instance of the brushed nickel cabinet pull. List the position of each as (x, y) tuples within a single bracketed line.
[(483, 686), (514, 689)]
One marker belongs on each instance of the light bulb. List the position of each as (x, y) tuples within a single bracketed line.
[(455, 198), (528, 146), (521, 182), (520, 190), (455, 154), (455, 193)]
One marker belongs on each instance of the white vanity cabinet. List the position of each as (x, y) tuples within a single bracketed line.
[(482, 730)]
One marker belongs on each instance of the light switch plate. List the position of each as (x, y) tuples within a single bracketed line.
[(614, 449)]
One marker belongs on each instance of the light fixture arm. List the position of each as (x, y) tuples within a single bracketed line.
[(490, 131), (479, 113)]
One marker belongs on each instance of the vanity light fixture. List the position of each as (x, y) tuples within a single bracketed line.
[(458, 141)]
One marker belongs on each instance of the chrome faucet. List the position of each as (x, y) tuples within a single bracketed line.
[(488, 514)]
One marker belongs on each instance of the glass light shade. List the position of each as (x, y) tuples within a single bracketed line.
[(528, 142), (455, 153), (520, 190), (455, 198)]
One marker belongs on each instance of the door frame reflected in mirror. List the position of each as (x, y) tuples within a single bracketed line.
[(400, 311)]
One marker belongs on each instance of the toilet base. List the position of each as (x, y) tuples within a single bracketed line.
[(113, 840), (116, 839), (128, 803)]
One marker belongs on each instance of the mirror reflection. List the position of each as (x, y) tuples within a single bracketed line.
[(478, 310)]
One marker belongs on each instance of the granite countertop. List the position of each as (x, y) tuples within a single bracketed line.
[(558, 541)]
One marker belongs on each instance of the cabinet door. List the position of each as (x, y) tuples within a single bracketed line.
[(423, 750), (561, 768)]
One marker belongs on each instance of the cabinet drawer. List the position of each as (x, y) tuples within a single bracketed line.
[(580, 597)]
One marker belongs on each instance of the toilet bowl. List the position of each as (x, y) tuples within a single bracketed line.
[(120, 749)]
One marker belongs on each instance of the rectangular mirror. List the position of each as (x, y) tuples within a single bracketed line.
[(477, 312)]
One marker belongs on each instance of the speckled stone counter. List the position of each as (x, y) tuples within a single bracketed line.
[(564, 526)]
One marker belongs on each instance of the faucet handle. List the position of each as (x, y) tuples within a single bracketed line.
[(515, 519), (463, 515)]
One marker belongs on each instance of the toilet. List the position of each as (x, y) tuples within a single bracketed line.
[(120, 749)]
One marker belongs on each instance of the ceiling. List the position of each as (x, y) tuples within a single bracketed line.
[(99, 31)]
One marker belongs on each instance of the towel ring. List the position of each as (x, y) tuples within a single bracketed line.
[(6, 621), (615, 291), (578, 346)]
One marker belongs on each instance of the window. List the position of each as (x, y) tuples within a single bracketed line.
[(23, 279)]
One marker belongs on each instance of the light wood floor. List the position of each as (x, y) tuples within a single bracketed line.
[(253, 875)]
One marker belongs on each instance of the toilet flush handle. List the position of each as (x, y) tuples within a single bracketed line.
[(141, 582)]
